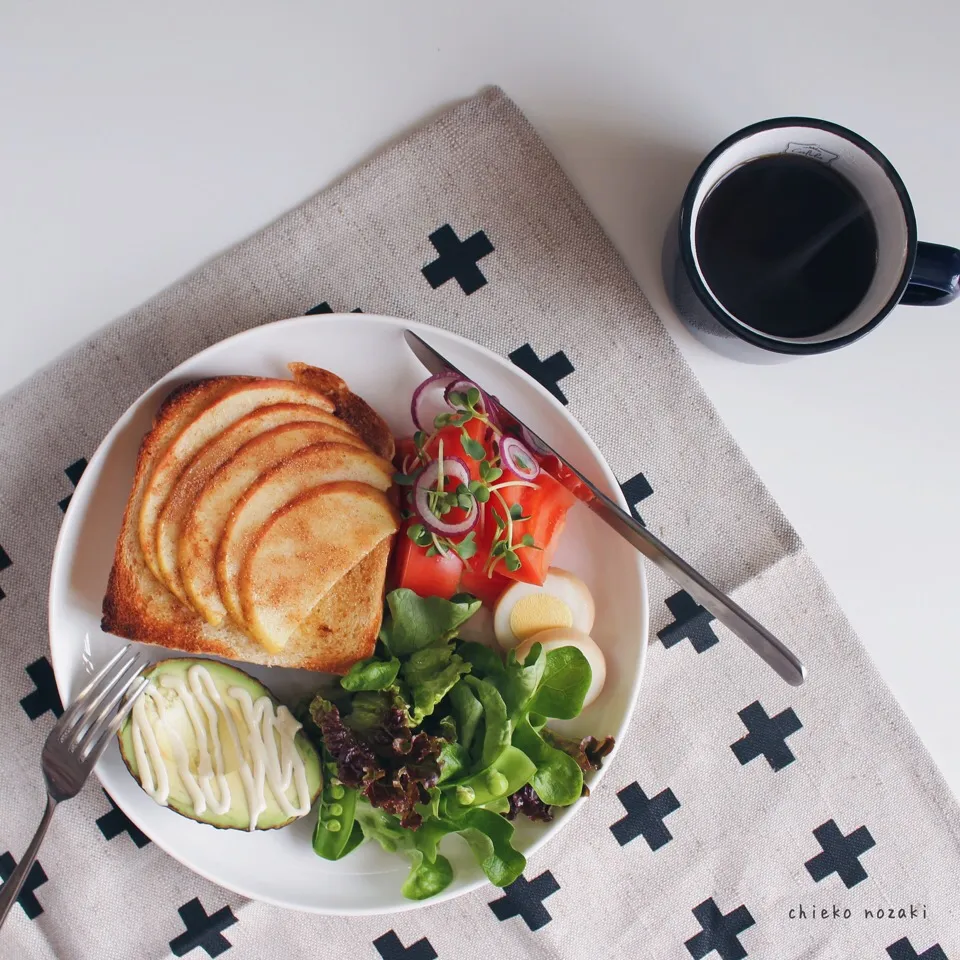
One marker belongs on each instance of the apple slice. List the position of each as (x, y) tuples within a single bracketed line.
[(211, 457), (308, 468), (232, 406), (304, 550), (207, 518)]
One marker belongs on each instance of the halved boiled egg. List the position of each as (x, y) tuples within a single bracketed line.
[(525, 609), (569, 637)]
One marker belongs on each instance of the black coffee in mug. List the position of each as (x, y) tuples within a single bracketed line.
[(797, 236), (787, 245)]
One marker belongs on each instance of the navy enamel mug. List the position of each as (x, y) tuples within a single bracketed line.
[(797, 236)]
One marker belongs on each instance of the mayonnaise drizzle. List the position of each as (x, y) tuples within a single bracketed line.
[(266, 747)]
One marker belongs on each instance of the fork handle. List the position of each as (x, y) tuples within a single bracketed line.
[(11, 889)]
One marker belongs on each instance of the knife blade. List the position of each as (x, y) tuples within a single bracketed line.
[(711, 598)]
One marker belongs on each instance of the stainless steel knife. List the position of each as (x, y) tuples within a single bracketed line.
[(729, 613)]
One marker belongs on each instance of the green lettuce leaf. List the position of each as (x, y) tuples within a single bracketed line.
[(429, 675), (496, 723), (426, 878), (429, 871), (521, 682), (454, 761), (516, 682), (558, 780), (468, 713), (488, 835), (500, 805), (418, 622), (371, 674), (565, 682), (485, 662)]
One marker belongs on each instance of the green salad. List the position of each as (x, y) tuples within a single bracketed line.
[(432, 736)]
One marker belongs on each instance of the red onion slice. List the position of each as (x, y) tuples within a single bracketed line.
[(427, 484), (489, 405), (464, 386), (429, 400), (495, 412), (518, 458)]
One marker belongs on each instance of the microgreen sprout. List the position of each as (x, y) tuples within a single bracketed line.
[(467, 406)]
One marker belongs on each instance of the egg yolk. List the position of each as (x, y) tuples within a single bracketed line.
[(536, 612)]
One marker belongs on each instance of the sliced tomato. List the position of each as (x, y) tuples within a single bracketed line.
[(452, 439), (484, 588), (405, 448), (436, 576), (561, 472), (546, 505)]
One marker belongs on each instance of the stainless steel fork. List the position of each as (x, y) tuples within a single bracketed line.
[(75, 744)]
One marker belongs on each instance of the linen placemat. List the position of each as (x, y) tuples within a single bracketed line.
[(741, 818)]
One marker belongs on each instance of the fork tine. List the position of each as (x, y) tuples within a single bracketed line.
[(84, 741), (89, 716), (97, 742), (91, 694)]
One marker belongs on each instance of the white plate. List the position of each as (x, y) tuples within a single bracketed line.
[(279, 866)]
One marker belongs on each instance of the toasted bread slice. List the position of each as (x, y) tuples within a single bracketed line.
[(348, 407), (340, 631), (303, 550), (212, 456), (241, 399), (207, 519), (308, 468)]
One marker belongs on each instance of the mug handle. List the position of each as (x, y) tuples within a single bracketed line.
[(936, 276)]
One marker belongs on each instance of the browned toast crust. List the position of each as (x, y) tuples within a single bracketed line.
[(348, 406)]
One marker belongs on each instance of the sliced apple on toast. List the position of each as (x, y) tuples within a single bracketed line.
[(210, 511), (208, 460), (311, 467), (240, 399), (304, 550)]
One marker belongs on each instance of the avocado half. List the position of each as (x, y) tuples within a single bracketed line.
[(237, 817)]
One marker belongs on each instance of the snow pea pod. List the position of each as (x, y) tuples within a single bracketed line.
[(336, 832)]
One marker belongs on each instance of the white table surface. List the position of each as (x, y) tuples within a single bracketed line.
[(137, 140)]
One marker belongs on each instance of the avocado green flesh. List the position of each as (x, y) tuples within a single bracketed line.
[(224, 676)]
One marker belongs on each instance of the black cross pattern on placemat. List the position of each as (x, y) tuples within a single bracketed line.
[(202, 931), (636, 489), (720, 932), (690, 622), (325, 308), (903, 949), (840, 854), (525, 898), (74, 472), (548, 373), (767, 736), (5, 562), (35, 878), (115, 822), (458, 259), (645, 816), (319, 308), (46, 696), (390, 948)]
